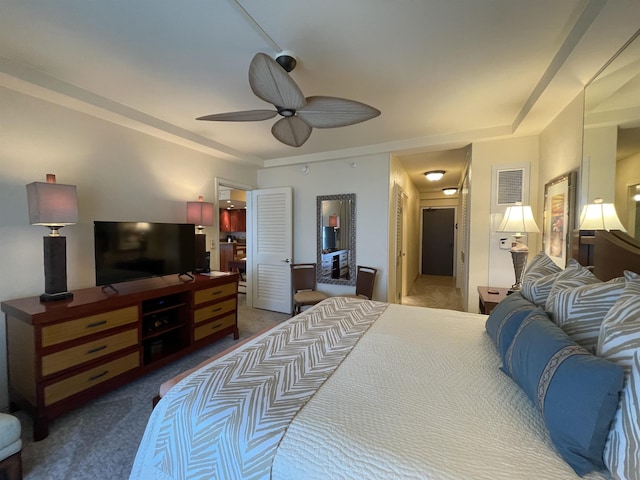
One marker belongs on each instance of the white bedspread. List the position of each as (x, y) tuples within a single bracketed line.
[(420, 396)]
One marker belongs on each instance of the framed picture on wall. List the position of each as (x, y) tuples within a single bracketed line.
[(558, 222)]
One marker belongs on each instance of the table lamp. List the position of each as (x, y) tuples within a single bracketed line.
[(518, 220), (200, 213), (600, 216), (53, 205)]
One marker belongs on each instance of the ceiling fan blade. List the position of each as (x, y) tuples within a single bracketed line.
[(291, 131), (329, 112), (245, 116), (270, 82)]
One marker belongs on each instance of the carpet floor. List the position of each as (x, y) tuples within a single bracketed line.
[(435, 291), (99, 440)]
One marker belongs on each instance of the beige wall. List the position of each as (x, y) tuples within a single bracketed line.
[(369, 180), (516, 150), (120, 175), (561, 152)]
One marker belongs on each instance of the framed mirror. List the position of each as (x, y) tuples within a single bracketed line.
[(336, 239), (611, 144)]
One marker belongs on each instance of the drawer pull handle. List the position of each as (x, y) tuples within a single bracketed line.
[(216, 309), (95, 377), (217, 292), (97, 324), (216, 326), (97, 349)]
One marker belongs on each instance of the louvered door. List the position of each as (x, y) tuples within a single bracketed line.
[(272, 248)]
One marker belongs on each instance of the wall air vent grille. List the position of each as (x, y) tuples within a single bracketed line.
[(510, 186)]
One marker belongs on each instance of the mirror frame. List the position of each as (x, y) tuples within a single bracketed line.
[(351, 240)]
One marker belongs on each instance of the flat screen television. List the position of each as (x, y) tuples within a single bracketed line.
[(127, 251)]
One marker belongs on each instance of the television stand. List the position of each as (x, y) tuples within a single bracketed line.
[(62, 355), (107, 287)]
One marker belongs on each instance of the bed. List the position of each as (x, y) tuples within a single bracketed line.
[(354, 388)]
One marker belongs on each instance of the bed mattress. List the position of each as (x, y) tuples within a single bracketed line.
[(399, 392), (420, 396)]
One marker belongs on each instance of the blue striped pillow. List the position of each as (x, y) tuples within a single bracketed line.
[(576, 392), (505, 319)]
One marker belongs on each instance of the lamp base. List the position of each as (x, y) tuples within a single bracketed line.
[(519, 258), (201, 264), (54, 297)]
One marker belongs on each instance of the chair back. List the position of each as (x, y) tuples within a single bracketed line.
[(365, 279), (303, 276)]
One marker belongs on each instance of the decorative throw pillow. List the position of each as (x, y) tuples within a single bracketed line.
[(580, 311), (537, 290), (619, 335), (622, 451), (505, 319), (576, 392), (575, 275), (540, 266)]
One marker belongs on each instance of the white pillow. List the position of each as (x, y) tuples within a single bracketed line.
[(619, 335), (580, 311), (619, 341), (575, 275), (540, 266), (537, 287), (622, 450)]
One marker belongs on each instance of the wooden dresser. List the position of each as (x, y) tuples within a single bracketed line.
[(62, 354)]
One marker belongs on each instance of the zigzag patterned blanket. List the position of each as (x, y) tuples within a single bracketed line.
[(225, 420)]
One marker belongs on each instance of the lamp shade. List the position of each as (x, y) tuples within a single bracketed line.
[(52, 204), (600, 216), (200, 213), (334, 221), (518, 219)]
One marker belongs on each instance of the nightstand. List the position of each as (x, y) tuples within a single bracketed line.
[(488, 301)]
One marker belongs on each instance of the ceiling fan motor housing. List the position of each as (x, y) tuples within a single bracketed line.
[(287, 61)]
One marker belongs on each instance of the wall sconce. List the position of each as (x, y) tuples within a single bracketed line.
[(434, 175), (600, 216), (53, 205), (518, 220), (450, 191), (200, 213)]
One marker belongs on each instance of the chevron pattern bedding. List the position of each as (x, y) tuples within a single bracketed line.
[(225, 420)]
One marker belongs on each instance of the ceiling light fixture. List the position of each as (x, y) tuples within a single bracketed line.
[(434, 175), (450, 191)]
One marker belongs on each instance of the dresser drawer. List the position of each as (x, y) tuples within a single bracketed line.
[(205, 313), (214, 293), (213, 327), (73, 356), (63, 332), (70, 386)]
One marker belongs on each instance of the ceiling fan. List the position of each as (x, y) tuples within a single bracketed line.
[(269, 80)]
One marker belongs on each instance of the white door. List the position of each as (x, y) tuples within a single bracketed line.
[(271, 248), (399, 243)]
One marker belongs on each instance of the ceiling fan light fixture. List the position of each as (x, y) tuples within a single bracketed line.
[(270, 82), (434, 175), (287, 61)]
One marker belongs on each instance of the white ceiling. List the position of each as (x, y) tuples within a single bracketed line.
[(443, 72)]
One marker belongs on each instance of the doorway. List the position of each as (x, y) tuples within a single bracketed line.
[(438, 241)]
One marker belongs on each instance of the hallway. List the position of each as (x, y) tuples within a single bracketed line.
[(434, 291)]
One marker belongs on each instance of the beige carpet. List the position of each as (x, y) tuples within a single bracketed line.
[(435, 291)]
